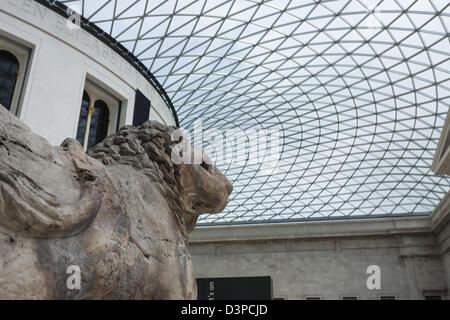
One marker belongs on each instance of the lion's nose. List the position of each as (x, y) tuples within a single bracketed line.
[(229, 187)]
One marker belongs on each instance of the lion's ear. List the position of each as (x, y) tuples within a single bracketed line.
[(45, 191)]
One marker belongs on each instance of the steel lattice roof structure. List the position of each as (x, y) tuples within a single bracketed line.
[(359, 90)]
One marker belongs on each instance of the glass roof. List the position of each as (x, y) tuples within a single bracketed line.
[(358, 89)]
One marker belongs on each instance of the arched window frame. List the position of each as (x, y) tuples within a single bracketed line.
[(10, 65), (97, 93), (22, 54)]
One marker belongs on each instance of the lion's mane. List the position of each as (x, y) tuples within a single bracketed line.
[(147, 148)]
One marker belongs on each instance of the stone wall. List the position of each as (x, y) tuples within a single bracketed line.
[(330, 259), (441, 227)]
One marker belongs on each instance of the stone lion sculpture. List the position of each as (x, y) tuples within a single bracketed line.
[(119, 215)]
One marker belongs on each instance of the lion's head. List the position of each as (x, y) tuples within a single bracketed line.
[(205, 188), (191, 189)]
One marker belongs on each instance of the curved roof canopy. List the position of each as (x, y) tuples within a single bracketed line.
[(358, 89)]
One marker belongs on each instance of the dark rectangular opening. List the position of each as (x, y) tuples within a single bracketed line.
[(242, 288), (141, 109)]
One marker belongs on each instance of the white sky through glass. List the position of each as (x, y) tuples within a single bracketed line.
[(359, 90)]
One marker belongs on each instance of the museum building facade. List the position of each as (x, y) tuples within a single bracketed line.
[(60, 75)]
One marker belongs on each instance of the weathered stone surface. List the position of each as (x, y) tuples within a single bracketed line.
[(122, 214)]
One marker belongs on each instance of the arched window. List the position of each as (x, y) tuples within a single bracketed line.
[(9, 67), (98, 121), (83, 117)]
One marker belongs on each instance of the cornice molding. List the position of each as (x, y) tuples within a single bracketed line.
[(441, 161), (441, 214), (386, 227)]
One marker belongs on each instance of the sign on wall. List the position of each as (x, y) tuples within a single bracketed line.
[(242, 288)]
